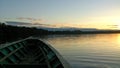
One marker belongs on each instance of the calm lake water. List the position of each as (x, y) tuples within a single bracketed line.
[(88, 50)]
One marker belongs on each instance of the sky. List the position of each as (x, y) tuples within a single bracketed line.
[(101, 14)]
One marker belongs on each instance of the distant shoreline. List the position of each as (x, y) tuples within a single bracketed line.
[(10, 33)]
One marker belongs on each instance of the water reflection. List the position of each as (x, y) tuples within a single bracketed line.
[(88, 50), (118, 39)]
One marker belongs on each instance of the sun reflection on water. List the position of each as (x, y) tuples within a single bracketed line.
[(118, 39)]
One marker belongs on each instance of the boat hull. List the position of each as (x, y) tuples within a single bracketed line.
[(30, 53)]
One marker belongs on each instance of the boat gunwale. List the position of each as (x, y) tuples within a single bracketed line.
[(12, 43), (61, 59)]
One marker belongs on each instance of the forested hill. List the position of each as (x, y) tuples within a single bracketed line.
[(10, 33)]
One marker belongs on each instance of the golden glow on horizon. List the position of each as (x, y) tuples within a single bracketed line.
[(118, 26), (99, 22), (117, 23)]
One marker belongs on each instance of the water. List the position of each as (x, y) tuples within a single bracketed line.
[(88, 50)]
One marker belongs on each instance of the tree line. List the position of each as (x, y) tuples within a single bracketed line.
[(9, 33)]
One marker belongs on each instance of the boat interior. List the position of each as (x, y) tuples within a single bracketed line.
[(31, 53)]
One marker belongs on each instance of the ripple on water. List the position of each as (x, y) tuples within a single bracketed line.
[(82, 65), (93, 62), (89, 50)]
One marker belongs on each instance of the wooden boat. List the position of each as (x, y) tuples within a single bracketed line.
[(30, 53)]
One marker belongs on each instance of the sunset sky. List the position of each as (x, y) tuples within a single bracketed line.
[(104, 14)]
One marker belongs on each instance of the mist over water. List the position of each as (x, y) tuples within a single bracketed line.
[(88, 50)]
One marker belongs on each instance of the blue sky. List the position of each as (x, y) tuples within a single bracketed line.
[(79, 13)]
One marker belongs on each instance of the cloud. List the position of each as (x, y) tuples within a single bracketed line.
[(28, 24), (23, 18), (33, 21), (29, 19), (17, 23)]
